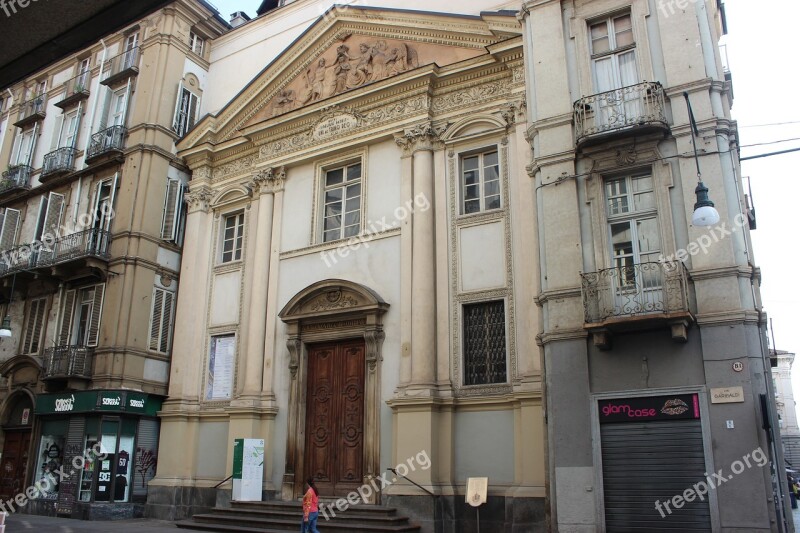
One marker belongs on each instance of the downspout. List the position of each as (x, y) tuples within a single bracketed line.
[(89, 136)]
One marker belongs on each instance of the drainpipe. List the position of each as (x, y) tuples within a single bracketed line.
[(89, 136)]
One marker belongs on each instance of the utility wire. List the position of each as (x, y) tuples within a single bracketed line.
[(769, 154), (770, 142), (772, 124)]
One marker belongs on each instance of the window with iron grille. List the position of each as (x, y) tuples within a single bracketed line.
[(484, 343)]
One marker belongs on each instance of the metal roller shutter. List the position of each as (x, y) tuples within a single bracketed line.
[(648, 461)]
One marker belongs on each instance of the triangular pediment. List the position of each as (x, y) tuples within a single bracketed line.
[(346, 50)]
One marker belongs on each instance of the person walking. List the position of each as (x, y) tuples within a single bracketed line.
[(310, 508)]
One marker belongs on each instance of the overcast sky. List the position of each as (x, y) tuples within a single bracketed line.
[(761, 49)]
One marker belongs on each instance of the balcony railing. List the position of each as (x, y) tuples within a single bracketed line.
[(31, 111), (122, 66), (636, 106), (68, 361), (110, 139), (59, 161), (19, 258), (16, 177), (75, 89), (88, 243), (639, 290)]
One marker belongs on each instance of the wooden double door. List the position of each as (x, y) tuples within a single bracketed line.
[(334, 444), (14, 463)]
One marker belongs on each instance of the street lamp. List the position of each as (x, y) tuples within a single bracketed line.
[(704, 212)]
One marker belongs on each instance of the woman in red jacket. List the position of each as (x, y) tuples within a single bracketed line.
[(310, 508)]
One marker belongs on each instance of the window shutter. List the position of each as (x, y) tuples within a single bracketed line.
[(17, 147), (103, 124), (8, 234), (55, 143), (192, 112), (76, 131), (172, 201), (176, 124), (29, 159), (33, 332), (52, 220), (166, 322), (66, 319), (156, 317), (97, 310), (126, 104)]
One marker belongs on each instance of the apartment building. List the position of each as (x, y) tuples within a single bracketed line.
[(782, 362), (652, 329), (92, 226)]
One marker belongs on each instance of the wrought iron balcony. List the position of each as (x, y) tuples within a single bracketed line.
[(109, 140), (17, 259), (637, 107), (16, 177), (636, 295), (75, 90), (31, 111), (83, 244), (68, 361), (59, 161), (121, 67)]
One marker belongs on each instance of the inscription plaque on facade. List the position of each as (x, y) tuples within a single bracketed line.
[(727, 395), (334, 126)]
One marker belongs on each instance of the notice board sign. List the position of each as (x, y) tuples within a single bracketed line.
[(248, 469)]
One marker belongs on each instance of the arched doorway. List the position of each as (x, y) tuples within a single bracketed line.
[(335, 338), (17, 422)]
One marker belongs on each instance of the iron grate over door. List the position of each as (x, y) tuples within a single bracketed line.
[(648, 462)]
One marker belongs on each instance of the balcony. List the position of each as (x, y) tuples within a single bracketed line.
[(18, 259), (637, 108), (90, 243), (121, 67), (75, 90), (68, 362), (31, 111), (57, 162), (110, 140), (16, 177), (637, 296)]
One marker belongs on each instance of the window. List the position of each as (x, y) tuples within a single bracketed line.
[(173, 220), (196, 43), (66, 130), (83, 73), (24, 147), (161, 320), (131, 49), (80, 321), (480, 182), (34, 326), (484, 343), (614, 64), (117, 113), (342, 211), (233, 231), (185, 111), (633, 226), (103, 209)]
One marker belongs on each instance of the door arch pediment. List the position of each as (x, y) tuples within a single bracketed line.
[(333, 297)]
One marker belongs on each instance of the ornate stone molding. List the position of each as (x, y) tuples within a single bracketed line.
[(469, 96), (269, 180), (423, 136), (294, 345), (373, 339), (199, 198)]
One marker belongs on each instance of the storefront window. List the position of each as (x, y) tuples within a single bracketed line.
[(50, 458), (105, 476), (89, 467)]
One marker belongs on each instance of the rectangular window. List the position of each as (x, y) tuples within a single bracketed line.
[(484, 343), (342, 207), (196, 43), (25, 147), (232, 236), (80, 321), (172, 221), (480, 182), (161, 320), (185, 111), (34, 326)]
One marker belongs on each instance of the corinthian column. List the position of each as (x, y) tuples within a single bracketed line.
[(420, 141)]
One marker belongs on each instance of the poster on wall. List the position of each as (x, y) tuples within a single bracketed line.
[(220, 367)]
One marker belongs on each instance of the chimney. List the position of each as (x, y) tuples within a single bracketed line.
[(238, 18)]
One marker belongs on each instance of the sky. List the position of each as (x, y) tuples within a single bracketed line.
[(761, 47)]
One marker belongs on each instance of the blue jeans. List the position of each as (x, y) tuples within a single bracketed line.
[(311, 525)]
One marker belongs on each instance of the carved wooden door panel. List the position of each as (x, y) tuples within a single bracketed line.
[(334, 452), (14, 464)]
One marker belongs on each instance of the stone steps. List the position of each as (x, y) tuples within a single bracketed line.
[(280, 517)]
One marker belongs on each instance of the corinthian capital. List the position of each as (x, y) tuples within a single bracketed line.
[(199, 198), (269, 180), (423, 136)]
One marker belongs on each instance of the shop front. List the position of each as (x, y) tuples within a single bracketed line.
[(96, 452)]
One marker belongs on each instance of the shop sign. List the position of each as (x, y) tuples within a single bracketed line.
[(88, 401), (727, 395), (649, 408)]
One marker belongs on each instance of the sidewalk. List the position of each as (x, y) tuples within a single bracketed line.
[(45, 524)]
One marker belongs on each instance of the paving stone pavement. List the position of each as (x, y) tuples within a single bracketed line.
[(23, 523)]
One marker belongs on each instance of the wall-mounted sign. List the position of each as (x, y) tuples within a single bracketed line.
[(738, 366), (477, 489), (26, 416), (87, 401), (727, 395), (649, 408), (248, 469), (335, 126)]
